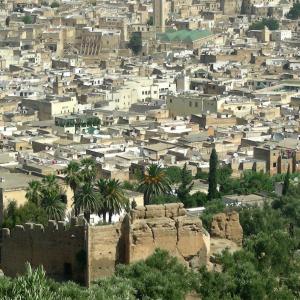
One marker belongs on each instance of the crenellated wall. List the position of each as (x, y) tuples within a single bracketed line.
[(86, 253), (55, 247)]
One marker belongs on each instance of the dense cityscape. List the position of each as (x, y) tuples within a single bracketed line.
[(150, 149)]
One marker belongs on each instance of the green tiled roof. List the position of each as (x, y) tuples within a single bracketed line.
[(184, 35)]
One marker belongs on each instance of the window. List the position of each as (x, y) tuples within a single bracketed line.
[(196, 104), (190, 103), (171, 101), (274, 165)]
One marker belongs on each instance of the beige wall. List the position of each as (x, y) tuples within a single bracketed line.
[(185, 106), (155, 226), (51, 247)]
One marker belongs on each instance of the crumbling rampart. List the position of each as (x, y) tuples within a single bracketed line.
[(167, 227), (86, 253)]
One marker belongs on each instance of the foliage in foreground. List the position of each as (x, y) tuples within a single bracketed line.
[(158, 277), (267, 267)]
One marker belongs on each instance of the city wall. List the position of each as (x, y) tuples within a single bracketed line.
[(55, 247), (86, 253)]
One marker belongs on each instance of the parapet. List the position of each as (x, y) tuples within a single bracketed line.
[(32, 228), (170, 210)]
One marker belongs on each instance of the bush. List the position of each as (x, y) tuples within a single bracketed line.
[(27, 20), (54, 4)]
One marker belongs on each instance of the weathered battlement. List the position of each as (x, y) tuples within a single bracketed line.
[(167, 227), (52, 227), (85, 253), (169, 210)]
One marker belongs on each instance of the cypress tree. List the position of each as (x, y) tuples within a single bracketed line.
[(286, 182), (212, 176), (186, 184)]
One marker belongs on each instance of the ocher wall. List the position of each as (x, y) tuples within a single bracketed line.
[(51, 247), (92, 252), (167, 227)]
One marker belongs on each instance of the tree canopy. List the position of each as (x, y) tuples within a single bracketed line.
[(270, 23), (135, 43), (294, 12), (27, 19)]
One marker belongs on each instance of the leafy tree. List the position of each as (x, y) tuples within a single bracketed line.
[(87, 201), (160, 276), (211, 208), (272, 24), (186, 184), (286, 182), (252, 182), (255, 220), (196, 200), (224, 180), (27, 20), (54, 4), (212, 176), (29, 212), (174, 174), (164, 198), (294, 12), (135, 43), (154, 182), (201, 175)]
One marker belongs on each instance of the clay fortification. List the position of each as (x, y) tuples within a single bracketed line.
[(85, 253)]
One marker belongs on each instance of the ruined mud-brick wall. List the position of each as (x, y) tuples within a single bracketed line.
[(167, 227), (227, 226), (86, 253), (105, 250), (60, 250)]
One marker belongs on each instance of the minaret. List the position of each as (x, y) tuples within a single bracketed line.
[(57, 87), (159, 15)]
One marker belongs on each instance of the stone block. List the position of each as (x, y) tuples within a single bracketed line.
[(155, 211)]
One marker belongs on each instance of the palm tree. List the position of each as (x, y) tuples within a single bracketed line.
[(154, 182), (87, 200), (73, 175), (88, 170), (50, 182), (113, 198), (52, 204), (33, 192)]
